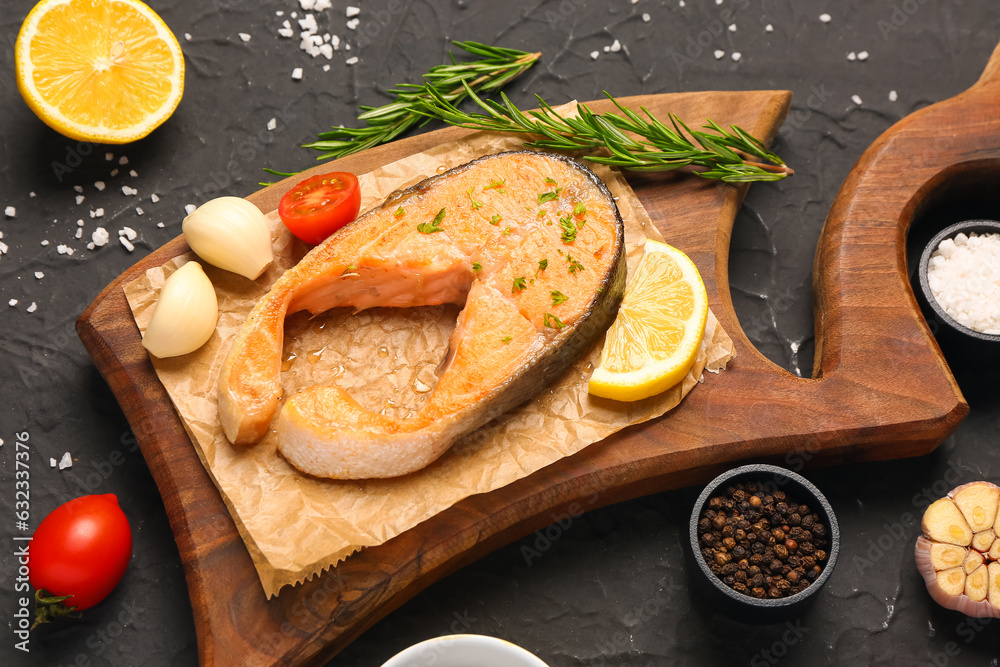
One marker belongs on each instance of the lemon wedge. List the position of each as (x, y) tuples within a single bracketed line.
[(108, 71), (655, 339)]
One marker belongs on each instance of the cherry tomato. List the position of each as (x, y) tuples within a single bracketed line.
[(81, 549), (320, 205)]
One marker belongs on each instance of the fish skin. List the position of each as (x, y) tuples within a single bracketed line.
[(322, 430)]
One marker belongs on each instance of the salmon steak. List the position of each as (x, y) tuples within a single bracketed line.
[(530, 244)]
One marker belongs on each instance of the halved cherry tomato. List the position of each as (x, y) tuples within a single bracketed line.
[(320, 205), (81, 549)]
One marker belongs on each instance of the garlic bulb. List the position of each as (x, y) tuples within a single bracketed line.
[(186, 313), (232, 234), (958, 552)]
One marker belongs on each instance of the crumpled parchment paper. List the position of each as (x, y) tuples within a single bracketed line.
[(295, 526)]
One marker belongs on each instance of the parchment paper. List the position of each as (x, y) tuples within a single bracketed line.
[(295, 526)]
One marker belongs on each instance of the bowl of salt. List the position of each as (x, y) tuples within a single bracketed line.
[(960, 279)]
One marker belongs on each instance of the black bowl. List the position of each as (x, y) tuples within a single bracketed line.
[(744, 607), (962, 331)]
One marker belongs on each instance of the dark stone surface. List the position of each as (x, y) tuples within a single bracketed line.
[(613, 587)]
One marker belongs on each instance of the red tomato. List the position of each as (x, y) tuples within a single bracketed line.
[(81, 549), (320, 205)]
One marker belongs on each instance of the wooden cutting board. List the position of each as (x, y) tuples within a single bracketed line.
[(881, 388)]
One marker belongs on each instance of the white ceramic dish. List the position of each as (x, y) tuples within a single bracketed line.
[(464, 651)]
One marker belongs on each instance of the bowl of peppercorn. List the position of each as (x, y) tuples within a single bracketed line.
[(765, 540)]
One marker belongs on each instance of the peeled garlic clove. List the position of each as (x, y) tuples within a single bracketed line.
[(185, 316), (978, 503), (943, 522), (232, 234)]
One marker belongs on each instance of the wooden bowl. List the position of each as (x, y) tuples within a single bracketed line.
[(744, 607), (967, 227)]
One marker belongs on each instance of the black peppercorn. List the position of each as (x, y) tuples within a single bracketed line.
[(715, 503), (792, 576), (755, 501), (740, 576), (775, 565), (774, 593), (781, 552), (819, 530), (739, 534), (808, 521), (820, 555), (758, 592), (739, 551), (740, 587), (794, 519)]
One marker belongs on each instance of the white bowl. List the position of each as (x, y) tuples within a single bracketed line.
[(464, 651)]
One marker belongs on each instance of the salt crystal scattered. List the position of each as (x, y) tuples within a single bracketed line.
[(354, 11), (825, 18), (10, 212), (133, 173), (99, 185), (90, 246), (154, 198), (52, 463), (893, 96), (736, 56), (3, 248), (271, 124), (12, 303), (297, 73), (347, 47), (326, 68), (863, 55), (79, 233), (39, 275), (66, 461), (129, 192), (594, 55), (44, 242), (123, 160), (353, 24), (79, 223), (100, 236), (681, 4), (129, 232), (719, 54), (244, 36), (856, 99), (326, 50), (852, 56), (279, 13), (353, 60), (308, 24), (99, 213), (160, 225), (646, 18), (79, 199), (114, 172), (718, 2), (189, 208), (335, 40), (187, 36), (616, 46), (125, 242), (769, 28), (32, 308), (294, 15), (32, 194), (109, 156), (607, 49), (78, 188), (138, 211), (732, 27), (307, 4)]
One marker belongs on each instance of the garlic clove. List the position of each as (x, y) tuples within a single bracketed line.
[(995, 550), (185, 316), (978, 503), (232, 234), (972, 561), (945, 556), (993, 572), (943, 522), (951, 582), (984, 540), (977, 584)]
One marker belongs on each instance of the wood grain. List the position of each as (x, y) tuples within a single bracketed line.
[(882, 389)]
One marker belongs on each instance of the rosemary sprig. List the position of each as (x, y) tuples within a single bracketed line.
[(661, 147), (451, 83)]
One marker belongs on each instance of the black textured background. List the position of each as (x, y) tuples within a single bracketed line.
[(614, 587)]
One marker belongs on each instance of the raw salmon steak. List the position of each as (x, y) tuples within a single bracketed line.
[(531, 244)]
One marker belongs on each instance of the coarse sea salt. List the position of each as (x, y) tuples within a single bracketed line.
[(964, 277)]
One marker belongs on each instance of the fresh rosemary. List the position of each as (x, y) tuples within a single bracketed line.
[(450, 83), (661, 147)]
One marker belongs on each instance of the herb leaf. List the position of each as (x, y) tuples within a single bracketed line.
[(552, 322), (580, 209), (519, 285), (432, 226), (549, 196), (550, 181), (568, 229), (476, 266), (495, 220), (507, 339), (542, 265), (574, 266), (399, 212), (557, 297), (476, 204)]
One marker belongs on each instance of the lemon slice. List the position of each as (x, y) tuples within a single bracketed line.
[(108, 71), (655, 339)]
